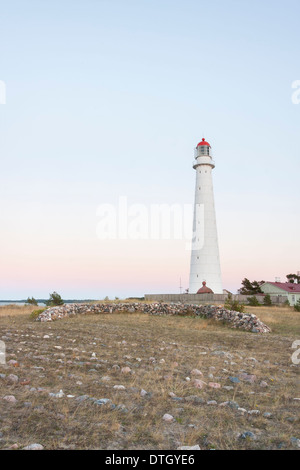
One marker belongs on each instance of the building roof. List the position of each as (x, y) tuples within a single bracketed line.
[(203, 142), (204, 289), (286, 286)]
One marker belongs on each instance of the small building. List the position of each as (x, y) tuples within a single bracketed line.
[(204, 289), (289, 290), (227, 292)]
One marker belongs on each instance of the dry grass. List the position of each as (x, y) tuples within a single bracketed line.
[(16, 310), (131, 340), (282, 320)]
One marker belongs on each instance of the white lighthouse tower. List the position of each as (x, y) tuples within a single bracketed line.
[(205, 261)]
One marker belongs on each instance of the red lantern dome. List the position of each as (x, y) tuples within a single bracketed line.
[(203, 142)]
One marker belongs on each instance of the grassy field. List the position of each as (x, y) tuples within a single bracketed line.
[(90, 355)]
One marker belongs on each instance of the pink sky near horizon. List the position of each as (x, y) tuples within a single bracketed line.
[(124, 268)]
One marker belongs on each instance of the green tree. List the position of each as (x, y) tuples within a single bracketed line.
[(31, 301), (54, 300), (267, 300), (252, 301), (250, 288), (293, 278)]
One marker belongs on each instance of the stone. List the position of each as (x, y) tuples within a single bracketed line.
[(248, 434), (254, 412), (119, 387), (82, 398), (196, 372), (234, 380), (243, 321), (214, 385), (105, 378), (125, 370), (10, 398), (60, 394), (263, 384), (194, 399), (295, 442), (196, 447), (198, 383), (168, 418), (34, 447), (14, 446), (248, 378), (13, 363), (230, 404), (12, 379), (292, 419), (102, 401)]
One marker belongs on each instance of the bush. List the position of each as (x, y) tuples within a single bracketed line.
[(252, 301), (235, 305), (35, 313), (267, 300), (297, 306)]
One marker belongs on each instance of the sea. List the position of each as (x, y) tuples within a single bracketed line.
[(15, 302)]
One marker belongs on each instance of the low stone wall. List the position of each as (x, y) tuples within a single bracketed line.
[(215, 299), (245, 321)]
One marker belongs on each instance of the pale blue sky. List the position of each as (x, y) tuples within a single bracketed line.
[(108, 98)]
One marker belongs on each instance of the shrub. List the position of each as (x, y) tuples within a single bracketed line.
[(297, 306), (235, 305), (252, 301), (267, 300), (35, 313)]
